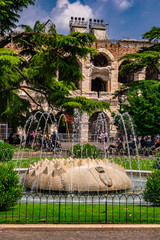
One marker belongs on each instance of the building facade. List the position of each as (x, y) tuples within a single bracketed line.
[(101, 74)]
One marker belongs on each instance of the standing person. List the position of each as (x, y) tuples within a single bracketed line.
[(45, 141), (49, 141), (32, 136), (156, 145), (106, 136), (100, 137), (53, 137), (143, 142)]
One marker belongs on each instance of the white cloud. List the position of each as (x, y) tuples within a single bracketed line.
[(60, 15), (123, 4), (33, 13), (63, 11)]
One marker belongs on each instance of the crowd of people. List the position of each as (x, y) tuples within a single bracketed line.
[(39, 140), (151, 143), (50, 141)]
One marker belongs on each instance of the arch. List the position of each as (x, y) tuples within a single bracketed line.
[(98, 122), (107, 54), (98, 85), (100, 61), (151, 73), (125, 78)]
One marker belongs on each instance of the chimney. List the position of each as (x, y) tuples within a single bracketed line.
[(78, 24), (98, 28)]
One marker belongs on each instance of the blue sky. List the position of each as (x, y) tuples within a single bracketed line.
[(126, 18)]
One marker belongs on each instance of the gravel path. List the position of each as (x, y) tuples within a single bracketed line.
[(108, 234)]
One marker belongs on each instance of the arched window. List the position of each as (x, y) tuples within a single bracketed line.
[(98, 123), (100, 61), (125, 78), (98, 85)]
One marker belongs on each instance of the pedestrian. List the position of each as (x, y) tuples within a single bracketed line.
[(53, 137)]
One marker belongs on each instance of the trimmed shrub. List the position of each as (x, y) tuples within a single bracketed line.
[(6, 152), (10, 187), (152, 189), (156, 164), (84, 151)]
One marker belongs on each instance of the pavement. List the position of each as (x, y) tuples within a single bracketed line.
[(80, 232)]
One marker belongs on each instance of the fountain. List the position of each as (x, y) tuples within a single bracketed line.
[(72, 175), (78, 175)]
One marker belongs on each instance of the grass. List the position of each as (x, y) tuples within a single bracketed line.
[(134, 163), (80, 213)]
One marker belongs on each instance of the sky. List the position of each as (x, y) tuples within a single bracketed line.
[(126, 18)]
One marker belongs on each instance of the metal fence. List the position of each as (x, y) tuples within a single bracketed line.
[(109, 208)]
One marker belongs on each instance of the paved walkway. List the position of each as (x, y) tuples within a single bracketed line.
[(79, 232), (68, 145)]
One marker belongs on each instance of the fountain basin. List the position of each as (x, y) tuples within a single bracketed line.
[(76, 175)]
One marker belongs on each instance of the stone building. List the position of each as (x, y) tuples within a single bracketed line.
[(101, 74)]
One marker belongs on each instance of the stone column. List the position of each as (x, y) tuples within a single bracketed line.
[(83, 129), (114, 77), (86, 71)]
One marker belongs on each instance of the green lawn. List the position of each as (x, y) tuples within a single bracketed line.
[(133, 163), (80, 213)]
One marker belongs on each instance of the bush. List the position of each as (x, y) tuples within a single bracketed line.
[(156, 164), (84, 151), (6, 152), (152, 189), (10, 187)]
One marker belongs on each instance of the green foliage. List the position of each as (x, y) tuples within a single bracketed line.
[(144, 102), (139, 60), (51, 71), (10, 188), (84, 104), (156, 164), (9, 60), (153, 34), (142, 96), (152, 189), (13, 106), (6, 152), (84, 151), (9, 13), (13, 109)]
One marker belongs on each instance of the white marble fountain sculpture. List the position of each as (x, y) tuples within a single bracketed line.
[(81, 175)]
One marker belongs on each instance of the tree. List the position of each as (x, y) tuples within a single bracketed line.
[(46, 66), (142, 96), (9, 13), (143, 106)]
